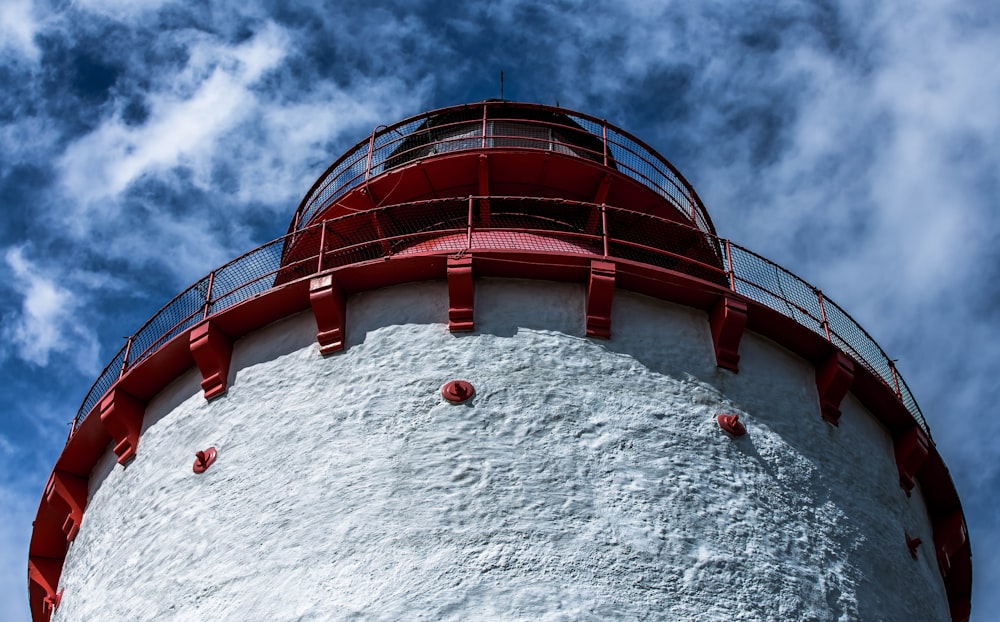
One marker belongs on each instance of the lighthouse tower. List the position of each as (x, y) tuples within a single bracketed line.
[(500, 367)]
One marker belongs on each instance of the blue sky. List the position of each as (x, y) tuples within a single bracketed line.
[(144, 142)]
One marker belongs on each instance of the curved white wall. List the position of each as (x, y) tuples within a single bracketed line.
[(586, 480)]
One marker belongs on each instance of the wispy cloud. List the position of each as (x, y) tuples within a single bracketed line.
[(47, 321), (18, 27), (208, 97)]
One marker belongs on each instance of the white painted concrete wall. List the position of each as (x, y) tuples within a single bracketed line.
[(586, 480)]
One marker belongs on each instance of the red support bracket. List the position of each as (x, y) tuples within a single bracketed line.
[(728, 320), (960, 608), (600, 292), (44, 572), (330, 311), (833, 379), (912, 447), (122, 415), (460, 294), (912, 544), (68, 492), (212, 351), (949, 536)]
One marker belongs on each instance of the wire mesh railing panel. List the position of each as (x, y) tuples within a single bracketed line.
[(524, 232), (871, 355), (906, 396), (409, 226), (103, 384), (772, 285), (346, 176), (552, 215), (667, 244), (184, 311), (868, 352), (634, 160), (250, 275)]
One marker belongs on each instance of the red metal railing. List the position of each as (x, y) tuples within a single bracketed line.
[(447, 226), (501, 125)]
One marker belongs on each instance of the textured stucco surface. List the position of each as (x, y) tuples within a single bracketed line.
[(587, 479)]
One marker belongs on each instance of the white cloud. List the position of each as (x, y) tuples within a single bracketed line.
[(18, 26), (48, 320), (211, 95), (123, 10)]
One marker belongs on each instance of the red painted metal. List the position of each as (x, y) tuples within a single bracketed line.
[(950, 537), (322, 247), (911, 448), (128, 352), (458, 391), (208, 295), (895, 377), (67, 494), (604, 140), (330, 310), (461, 294), (212, 350), (822, 310), (204, 459), (833, 380), (122, 416), (44, 573), (730, 273), (731, 425), (600, 292), (912, 544), (728, 320)]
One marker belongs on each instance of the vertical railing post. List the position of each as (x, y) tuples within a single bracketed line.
[(604, 141), (694, 204), (322, 246), (468, 225), (604, 229), (729, 264), (895, 378), (484, 126), (371, 148), (822, 312), (128, 351), (208, 294)]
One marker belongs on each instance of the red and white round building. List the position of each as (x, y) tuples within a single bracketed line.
[(500, 367)]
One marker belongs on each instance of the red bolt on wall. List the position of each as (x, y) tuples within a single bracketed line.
[(731, 425), (457, 391), (204, 459)]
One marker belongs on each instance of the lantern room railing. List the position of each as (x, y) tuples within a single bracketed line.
[(448, 226), (501, 125)]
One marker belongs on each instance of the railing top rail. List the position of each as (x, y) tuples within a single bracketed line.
[(254, 273), (370, 155)]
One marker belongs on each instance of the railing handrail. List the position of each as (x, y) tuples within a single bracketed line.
[(326, 189), (744, 271)]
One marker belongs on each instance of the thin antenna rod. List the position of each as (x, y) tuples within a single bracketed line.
[(501, 85)]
